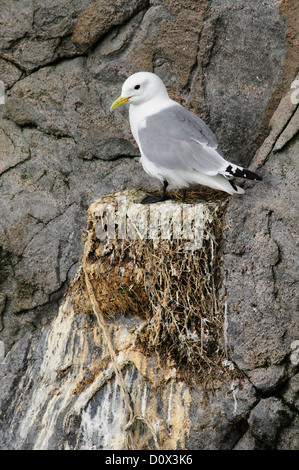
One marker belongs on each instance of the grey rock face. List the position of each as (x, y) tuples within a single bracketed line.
[(239, 83), (70, 384), (262, 269), (266, 419), (99, 17), (62, 64), (35, 34)]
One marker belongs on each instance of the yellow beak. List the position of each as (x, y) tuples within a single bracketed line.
[(118, 103)]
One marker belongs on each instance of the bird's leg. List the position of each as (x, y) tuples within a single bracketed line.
[(163, 195), (151, 198), (184, 194)]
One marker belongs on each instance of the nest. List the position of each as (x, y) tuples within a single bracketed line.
[(170, 282)]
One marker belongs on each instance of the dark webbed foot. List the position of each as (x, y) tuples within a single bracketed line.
[(150, 199)]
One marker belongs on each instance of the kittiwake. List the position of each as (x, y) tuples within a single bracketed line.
[(176, 146)]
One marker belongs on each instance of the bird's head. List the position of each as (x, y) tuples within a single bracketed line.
[(139, 88)]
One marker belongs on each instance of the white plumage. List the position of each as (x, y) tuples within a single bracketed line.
[(176, 146)]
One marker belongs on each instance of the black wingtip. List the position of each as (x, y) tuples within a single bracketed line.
[(257, 177), (242, 173)]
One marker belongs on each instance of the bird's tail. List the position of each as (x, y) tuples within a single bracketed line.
[(239, 172)]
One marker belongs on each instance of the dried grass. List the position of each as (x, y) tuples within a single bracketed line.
[(185, 328), (175, 291)]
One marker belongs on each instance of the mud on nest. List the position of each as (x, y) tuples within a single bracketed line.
[(175, 290)]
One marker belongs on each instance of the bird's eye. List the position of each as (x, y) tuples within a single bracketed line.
[(136, 87)]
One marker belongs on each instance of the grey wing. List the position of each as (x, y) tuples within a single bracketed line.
[(175, 138)]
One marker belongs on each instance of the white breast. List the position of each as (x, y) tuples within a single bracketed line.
[(139, 113)]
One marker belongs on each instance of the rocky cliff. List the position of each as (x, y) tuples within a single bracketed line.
[(102, 367)]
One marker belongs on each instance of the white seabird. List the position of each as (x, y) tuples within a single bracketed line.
[(176, 146)]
